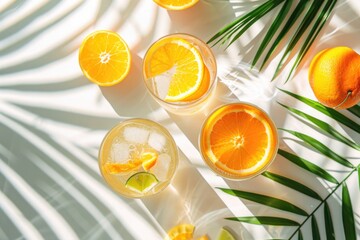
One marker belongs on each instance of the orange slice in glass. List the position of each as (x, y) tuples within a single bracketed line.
[(116, 168), (181, 61), (148, 159), (203, 88), (181, 232), (238, 140), (176, 4), (104, 58)]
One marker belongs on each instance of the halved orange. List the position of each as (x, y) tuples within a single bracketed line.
[(238, 140), (176, 4), (181, 61), (104, 58), (183, 231)]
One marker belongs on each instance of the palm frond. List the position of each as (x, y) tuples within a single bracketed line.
[(316, 16), (300, 237), (308, 166), (266, 200), (292, 184), (243, 23), (347, 214), (355, 110), (265, 220), (359, 175), (327, 111), (272, 30), (289, 24), (315, 229), (322, 148), (325, 127), (329, 227), (318, 25), (308, 18)]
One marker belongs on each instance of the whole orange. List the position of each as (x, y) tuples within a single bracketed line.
[(334, 77)]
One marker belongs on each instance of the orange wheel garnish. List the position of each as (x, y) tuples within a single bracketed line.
[(104, 58), (238, 140), (176, 4), (181, 232), (179, 59)]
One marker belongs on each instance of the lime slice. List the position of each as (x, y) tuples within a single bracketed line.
[(225, 235), (141, 182)]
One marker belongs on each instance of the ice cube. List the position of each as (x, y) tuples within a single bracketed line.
[(120, 152), (161, 168), (162, 82), (157, 141), (136, 134)]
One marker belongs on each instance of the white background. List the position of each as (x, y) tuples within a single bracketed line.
[(52, 120)]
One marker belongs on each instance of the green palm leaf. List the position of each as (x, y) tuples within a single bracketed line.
[(315, 15), (359, 176), (292, 184), (265, 220), (322, 148), (289, 24), (309, 17), (243, 22), (318, 25), (329, 227), (347, 214), (300, 237), (272, 30), (266, 200), (308, 166), (355, 110), (327, 111), (315, 229), (324, 126)]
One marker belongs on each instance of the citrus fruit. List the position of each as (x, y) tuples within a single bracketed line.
[(104, 58), (238, 140), (204, 86), (175, 4), (148, 159), (183, 231), (225, 235), (116, 168), (334, 76), (181, 61), (141, 182)]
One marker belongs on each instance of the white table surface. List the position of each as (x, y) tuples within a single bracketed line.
[(52, 120)]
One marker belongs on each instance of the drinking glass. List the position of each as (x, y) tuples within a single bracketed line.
[(138, 157), (159, 85), (238, 141)]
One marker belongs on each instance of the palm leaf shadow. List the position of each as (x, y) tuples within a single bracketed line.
[(27, 20), (90, 122), (45, 171), (97, 199)]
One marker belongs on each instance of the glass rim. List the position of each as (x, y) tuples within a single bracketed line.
[(230, 176), (181, 104)]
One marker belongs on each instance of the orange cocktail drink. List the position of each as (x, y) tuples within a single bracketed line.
[(180, 73), (238, 141), (138, 158)]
